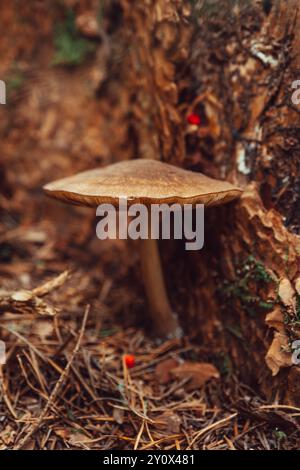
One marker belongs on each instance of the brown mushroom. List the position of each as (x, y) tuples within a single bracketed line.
[(147, 182)]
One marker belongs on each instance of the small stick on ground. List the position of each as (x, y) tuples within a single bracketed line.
[(212, 426)]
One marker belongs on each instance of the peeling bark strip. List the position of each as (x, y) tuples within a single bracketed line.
[(233, 66)]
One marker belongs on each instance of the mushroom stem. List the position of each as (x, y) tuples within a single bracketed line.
[(164, 319)]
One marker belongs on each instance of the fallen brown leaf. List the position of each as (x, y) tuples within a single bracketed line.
[(286, 293), (198, 373), (278, 355), (275, 319), (168, 423), (163, 370)]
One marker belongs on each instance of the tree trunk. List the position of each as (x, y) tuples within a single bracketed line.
[(234, 66)]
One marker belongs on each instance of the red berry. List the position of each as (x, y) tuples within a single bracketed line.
[(194, 118), (129, 360)]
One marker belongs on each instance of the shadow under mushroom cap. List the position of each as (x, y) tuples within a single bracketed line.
[(142, 181)]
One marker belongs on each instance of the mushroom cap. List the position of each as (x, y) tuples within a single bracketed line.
[(141, 181)]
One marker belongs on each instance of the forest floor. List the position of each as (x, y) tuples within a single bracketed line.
[(66, 384)]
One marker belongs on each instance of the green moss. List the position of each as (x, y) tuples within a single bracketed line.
[(257, 270), (266, 305), (251, 276), (279, 435), (70, 47)]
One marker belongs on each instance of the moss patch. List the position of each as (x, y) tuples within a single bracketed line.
[(251, 277), (70, 47)]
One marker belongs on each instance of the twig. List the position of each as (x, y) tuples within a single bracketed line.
[(138, 437), (215, 425), (48, 286), (279, 407)]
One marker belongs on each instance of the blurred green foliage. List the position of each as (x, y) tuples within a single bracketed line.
[(70, 47)]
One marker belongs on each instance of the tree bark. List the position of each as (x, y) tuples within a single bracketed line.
[(234, 66)]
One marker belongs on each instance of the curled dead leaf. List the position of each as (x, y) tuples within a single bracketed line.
[(279, 355), (275, 319), (286, 293)]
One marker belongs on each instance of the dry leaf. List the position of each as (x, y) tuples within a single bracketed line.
[(163, 370), (279, 355), (275, 319), (64, 433), (199, 373), (168, 423), (8, 435), (286, 293), (297, 285), (118, 415), (22, 296), (78, 437)]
